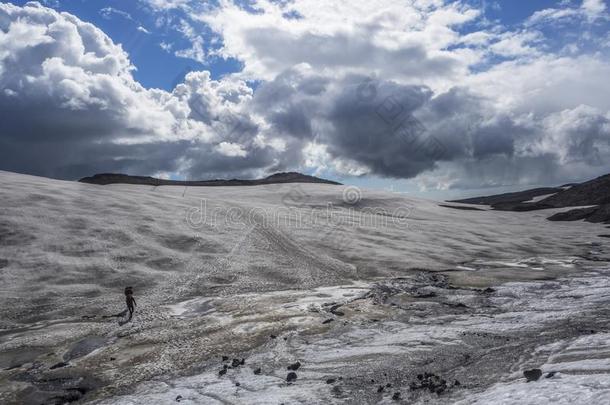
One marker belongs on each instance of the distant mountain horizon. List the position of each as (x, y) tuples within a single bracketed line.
[(276, 178)]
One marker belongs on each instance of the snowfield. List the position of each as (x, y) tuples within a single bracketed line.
[(368, 297)]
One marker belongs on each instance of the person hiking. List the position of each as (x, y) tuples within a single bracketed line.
[(130, 301)]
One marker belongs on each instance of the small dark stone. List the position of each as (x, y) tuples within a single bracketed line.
[(330, 381), (237, 384), (380, 389), (58, 365), (225, 358), (388, 385), (235, 363), (533, 374), (178, 398), (396, 396), (489, 290), (456, 383), (420, 377), (550, 374), (294, 366), (286, 338), (273, 336), (112, 358), (329, 320), (222, 372), (339, 313), (242, 362), (292, 376), (258, 371)]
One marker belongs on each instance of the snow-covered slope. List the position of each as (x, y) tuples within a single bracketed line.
[(217, 271)]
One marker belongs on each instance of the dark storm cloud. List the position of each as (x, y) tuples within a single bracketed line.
[(394, 130), (380, 130)]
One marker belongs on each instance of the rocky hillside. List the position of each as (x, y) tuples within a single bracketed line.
[(508, 201), (594, 193)]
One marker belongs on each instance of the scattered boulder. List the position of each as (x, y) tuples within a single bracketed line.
[(222, 372), (330, 381), (333, 310), (292, 376), (237, 384), (178, 398), (533, 374), (329, 320), (550, 374), (58, 365), (294, 366), (225, 358), (272, 336), (429, 381), (380, 389), (430, 294), (258, 371), (396, 396)]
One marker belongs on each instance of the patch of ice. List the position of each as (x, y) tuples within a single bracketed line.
[(560, 390)]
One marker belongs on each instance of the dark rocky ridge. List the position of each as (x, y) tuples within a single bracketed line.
[(507, 201), (277, 178), (594, 192), (598, 214)]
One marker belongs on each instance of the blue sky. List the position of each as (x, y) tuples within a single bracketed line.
[(514, 92)]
